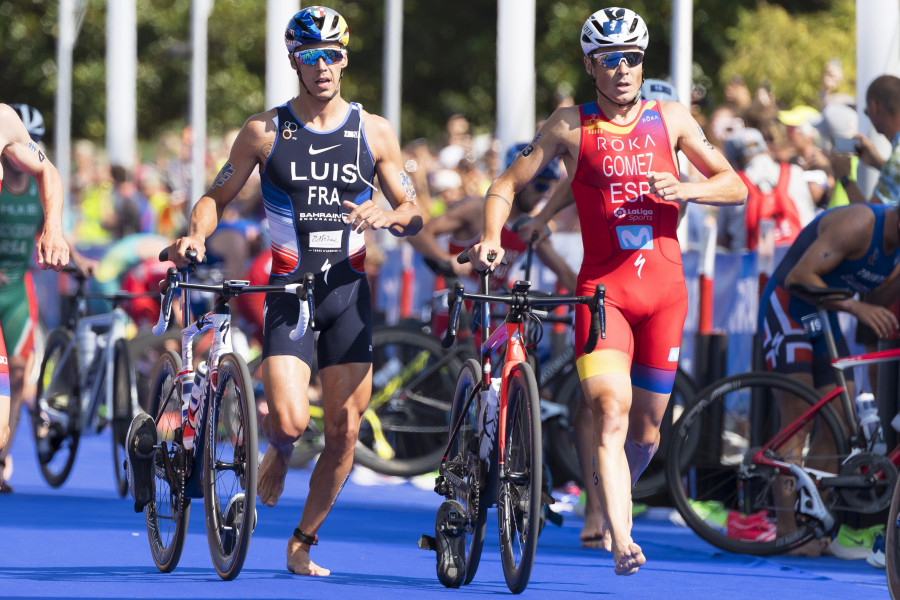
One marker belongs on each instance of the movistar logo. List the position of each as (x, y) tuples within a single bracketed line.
[(635, 237)]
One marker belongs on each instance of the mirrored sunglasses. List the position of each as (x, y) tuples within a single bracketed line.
[(611, 60), (311, 57)]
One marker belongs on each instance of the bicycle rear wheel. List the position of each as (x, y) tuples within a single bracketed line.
[(892, 545), (167, 514), (463, 461), (56, 414), (230, 458), (404, 430), (722, 494), (124, 401), (521, 472)]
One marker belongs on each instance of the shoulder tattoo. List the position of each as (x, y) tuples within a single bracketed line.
[(703, 137)]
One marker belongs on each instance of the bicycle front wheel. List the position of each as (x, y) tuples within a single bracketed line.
[(521, 471), (892, 545), (124, 401), (56, 413), (167, 514), (463, 461), (725, 496), (404, 430), (230, 459)]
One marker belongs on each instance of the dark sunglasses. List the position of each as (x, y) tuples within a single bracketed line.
[(612, 60), (311, 57)]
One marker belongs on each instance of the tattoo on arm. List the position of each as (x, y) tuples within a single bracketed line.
[(530, 147), (34, 148), (408, 188), (224, 175), (264, 151), (703, 137), (508, 203)]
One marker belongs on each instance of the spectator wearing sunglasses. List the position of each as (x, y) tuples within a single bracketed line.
[(619, 152), (317, 155)]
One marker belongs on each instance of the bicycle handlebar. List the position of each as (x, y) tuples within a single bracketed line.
[(235, 287)]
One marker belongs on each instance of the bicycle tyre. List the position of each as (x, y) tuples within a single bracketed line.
[(167, 514), (57, 396), (709, 473), (892, 545), (124, 402), (230, 459), (404, 430), (521, 473), (464, 452), (145, 348)]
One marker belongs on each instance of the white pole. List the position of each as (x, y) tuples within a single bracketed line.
[(281, 80), (121, 82), (877, 53), (515, 71), (200, 10), (393, 54), (681, 55), (63, 108)]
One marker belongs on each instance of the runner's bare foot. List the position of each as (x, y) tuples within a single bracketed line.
[(628, 559), (595, 534), (299, 563), (272, 471)]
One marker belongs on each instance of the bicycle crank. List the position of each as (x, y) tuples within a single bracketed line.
[(865, 482)]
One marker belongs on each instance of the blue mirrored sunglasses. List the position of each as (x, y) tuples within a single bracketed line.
[(311, 57), (612, 60)]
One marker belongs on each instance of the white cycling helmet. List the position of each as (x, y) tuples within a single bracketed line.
[(612, 27), (657, 89), (32, 118)]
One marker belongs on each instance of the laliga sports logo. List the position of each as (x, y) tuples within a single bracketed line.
[(620, 212)]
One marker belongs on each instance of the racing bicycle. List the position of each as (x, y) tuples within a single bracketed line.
[(220, 463), (494, 452)]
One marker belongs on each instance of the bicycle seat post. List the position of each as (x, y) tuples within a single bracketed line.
[(839, 376)]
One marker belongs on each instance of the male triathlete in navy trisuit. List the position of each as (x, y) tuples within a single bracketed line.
[(317, 156)]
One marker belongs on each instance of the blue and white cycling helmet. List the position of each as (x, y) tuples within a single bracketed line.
[(316, 24), (657, 89), (613, 27), (551, 171), (32, 118)]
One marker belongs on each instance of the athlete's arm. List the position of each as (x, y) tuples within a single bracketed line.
[(723, 186), (251, 148), (843, 235), (561, 197), (461, 217), (406, 218), (558, 136), (18, 147), (556, 263)]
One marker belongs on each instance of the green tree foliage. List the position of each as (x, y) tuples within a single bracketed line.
[(449, 60)]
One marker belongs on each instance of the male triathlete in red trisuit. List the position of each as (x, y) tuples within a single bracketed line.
[(621, 152)]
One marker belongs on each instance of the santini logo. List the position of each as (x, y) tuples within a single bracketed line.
[(635, 237)]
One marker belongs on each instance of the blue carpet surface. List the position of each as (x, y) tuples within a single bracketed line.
[(83, 541)]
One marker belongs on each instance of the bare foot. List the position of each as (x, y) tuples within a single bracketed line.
[(272, 471), (595, 534), (628, 559), (299, 563)]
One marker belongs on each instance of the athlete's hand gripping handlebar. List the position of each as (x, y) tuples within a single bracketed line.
[(454, 299), (168, 291), (307, 317)]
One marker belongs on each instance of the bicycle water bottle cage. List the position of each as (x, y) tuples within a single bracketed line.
[(812, 325)]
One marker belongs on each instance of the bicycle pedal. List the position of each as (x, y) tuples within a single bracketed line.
[(427, 542)]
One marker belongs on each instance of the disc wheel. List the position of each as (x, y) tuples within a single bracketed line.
[(521, 472), (168, 513), (56, 414), (230, 459)]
